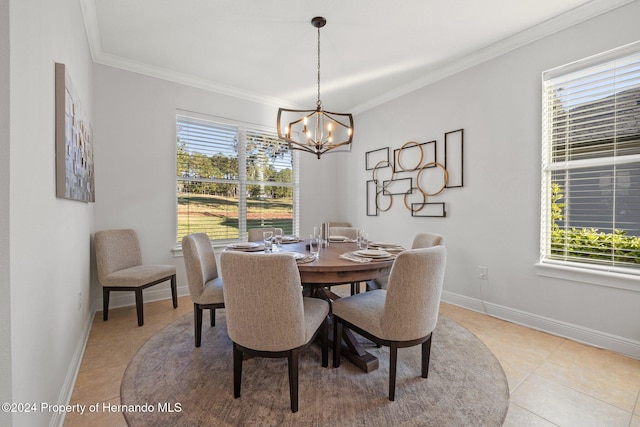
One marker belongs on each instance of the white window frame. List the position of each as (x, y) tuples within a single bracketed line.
[(242, 181), (604, 275)]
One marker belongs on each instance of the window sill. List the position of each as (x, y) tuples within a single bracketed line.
[(608, 279)]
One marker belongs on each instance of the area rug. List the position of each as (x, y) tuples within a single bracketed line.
[(170, 382)]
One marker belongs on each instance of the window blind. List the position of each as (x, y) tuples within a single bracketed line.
[(591, 164), (231, 177)]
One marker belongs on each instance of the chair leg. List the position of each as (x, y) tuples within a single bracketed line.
[(393, 360), (139, 309), (105, 304), (426, 356), (237, 371), (197, 320), (174, 291), (293, 358), (337, 341), (324, 342), (213, 317)]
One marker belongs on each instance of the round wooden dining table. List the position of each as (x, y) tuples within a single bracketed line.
[(329, 269)]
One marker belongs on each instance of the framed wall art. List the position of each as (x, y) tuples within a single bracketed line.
[(74, 148)]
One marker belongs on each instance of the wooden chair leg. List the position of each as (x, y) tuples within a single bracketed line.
[(174, 291), (213, 317), (105, 304), (393, 360), (139, 309), (293, 358), (337, 341), (426, 356), (324, 342), (237, 371), (197, 320)]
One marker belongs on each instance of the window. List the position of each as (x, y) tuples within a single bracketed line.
[(591, 163), (232, 176)]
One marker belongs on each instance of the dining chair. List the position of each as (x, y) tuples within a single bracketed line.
[(205, 285), (404, 315), (120, 268), (257, 234), (426, 240), (421, 240), (267, 316), (339, 224), (348, 232)]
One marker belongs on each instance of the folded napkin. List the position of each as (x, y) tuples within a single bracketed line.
[(306, 259), (349, 256), (387, 246)]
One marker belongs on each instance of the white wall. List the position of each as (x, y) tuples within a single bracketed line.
[(493, 220), (49, 245), (135, 139), (5, 289)]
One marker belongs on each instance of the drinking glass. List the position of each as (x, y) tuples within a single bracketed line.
[(268, 243), (360, 233), (314, 245), (364, 240), (278, 237)]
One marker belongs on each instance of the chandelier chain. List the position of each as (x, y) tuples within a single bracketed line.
[(319, 103)]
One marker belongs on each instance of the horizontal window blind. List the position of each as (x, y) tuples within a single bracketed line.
[(591, 165), (231, 177)]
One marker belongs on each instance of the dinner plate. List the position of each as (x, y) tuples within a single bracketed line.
[(367, 253), (243, 245), (338, 239), (290, 239)]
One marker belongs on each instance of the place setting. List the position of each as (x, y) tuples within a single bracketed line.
[(246, 247), (300, 257), (389, 247), (290, 239), (368, 255)]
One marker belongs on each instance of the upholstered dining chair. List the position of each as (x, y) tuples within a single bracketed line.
[(339, 224), (426, 240), (205, 285), (421, 240), (267, 316), (120, 268), (257, 234), (348, 232), (404, 315)]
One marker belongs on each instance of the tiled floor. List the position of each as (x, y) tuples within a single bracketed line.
[(553, 381)]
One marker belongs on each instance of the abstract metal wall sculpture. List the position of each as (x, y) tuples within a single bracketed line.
[(415, 173)]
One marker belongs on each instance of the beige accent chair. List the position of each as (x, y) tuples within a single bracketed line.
[(404, 315), (119, 262), (257, 234), (421, 240), (205, 286), (267, 315)]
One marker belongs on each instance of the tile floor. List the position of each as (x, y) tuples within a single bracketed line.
[(553, 381)]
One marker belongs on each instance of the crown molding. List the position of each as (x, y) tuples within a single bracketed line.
[(432, 75), (443, 70)]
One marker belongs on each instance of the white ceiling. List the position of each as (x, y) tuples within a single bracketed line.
[(371, 50)]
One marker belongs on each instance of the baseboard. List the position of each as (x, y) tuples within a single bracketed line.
[(128, 299), (72, 373), (573, 332)]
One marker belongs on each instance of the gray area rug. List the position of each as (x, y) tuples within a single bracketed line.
[(187, 386)]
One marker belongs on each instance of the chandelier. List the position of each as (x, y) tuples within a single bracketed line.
[(315, 131)]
